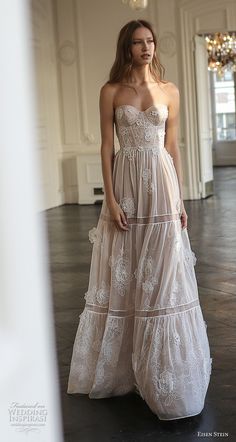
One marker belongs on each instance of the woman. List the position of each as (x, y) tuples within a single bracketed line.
[(142, 327)]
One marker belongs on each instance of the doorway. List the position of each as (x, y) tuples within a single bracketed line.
[(216, 109), (223, 99)]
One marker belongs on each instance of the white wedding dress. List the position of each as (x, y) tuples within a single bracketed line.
[(142, 327)]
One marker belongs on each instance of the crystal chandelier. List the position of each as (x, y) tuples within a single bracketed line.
[(136, 4), (221, 48)]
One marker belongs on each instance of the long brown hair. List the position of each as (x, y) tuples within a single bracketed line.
[(122, 65)]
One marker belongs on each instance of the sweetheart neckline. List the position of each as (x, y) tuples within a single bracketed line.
[(134, 107)]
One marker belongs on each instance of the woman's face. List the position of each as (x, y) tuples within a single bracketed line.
[(142, 46)]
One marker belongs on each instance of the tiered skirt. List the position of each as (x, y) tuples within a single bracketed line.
[(142, 328)]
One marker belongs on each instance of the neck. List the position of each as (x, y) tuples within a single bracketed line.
[(141, 75)]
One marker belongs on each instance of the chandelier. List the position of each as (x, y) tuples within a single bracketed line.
[(136, 4), (221, 48)]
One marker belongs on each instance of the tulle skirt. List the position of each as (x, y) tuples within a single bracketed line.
[(142, 327)]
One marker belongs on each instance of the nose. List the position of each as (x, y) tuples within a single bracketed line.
[(145, 45)]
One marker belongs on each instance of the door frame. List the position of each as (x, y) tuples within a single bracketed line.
[(228, 147), (190, 14)]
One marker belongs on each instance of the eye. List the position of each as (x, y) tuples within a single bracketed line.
[(140, 42)]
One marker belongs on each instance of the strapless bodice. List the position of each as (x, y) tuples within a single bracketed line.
[(141, 129)]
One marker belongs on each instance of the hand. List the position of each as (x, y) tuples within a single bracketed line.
[(184, 218), (118, 216)]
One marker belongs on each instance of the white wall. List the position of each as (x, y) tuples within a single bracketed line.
[(47, 90), (86, 37), (85, 40)]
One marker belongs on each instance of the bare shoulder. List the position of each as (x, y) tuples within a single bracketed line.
[(172, 93), (108, 91), (172, 90)]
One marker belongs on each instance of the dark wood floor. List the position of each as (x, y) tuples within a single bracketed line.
[(212, 232)]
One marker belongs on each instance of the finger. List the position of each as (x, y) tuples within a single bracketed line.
[(123, 217), (123, 221), (120, 225), (183, 222)]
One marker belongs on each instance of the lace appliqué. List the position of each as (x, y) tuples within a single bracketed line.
[(151, 335), (131, 152), (140, 122), (175, 292), (121, 275), (175, 381), (127, 205), (178, 206), (145, 278), (166, 385), (190, 257), (157, 116), (98, 295), (114, 373), (113, 333), (169, 387), (119, 112), (140, 131), (175, 339), (147, 175), (156, 150), (148, 134), (124, 130), (95, 236)]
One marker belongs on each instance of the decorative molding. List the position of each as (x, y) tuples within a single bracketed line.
[(90, 139), (189, 99), (39, 9), (94, 172), (218, 21), (203, 8), (152, 15), (38, 16), (89, 175), (67, 56), (41, 130), (167, 44), (87, 136), (81, 150), (67, 53)]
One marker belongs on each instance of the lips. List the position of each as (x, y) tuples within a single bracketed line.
[(145, 55)]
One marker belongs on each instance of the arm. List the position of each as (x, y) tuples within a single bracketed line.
[(107, 154), (171, 142), (107, 135)]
